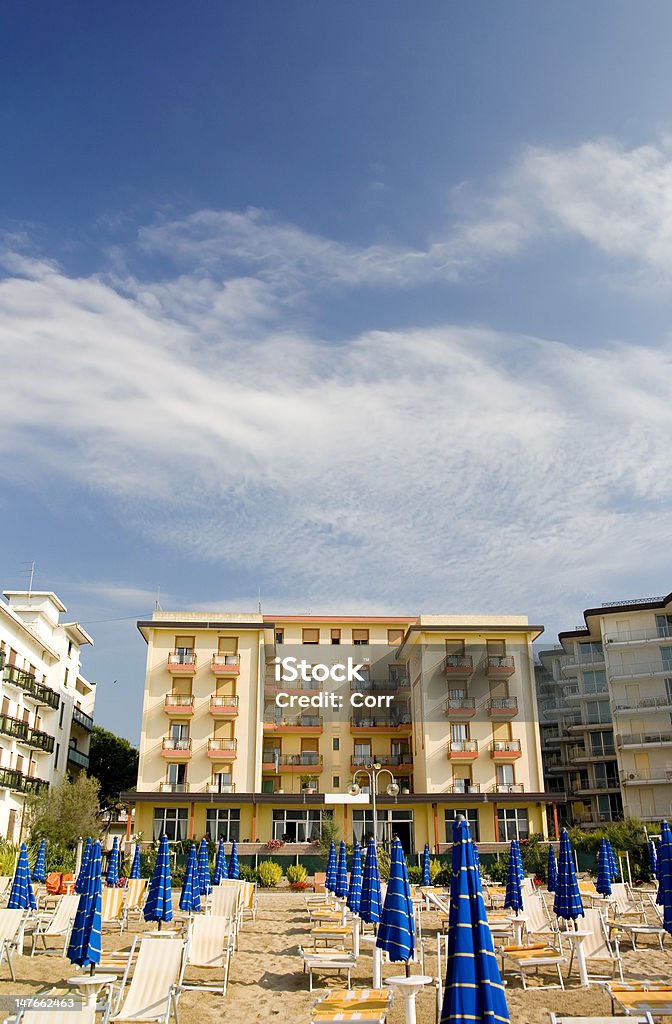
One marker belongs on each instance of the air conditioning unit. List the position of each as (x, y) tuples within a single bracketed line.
[(632, 776)]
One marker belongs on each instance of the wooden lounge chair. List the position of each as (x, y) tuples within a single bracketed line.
[(210, 946), (55, 926), (326, 961), (153, 991), (531, 958), (11, 935)]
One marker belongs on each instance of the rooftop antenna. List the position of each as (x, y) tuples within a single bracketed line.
[(259, 599), (30, 573), (157, 602)]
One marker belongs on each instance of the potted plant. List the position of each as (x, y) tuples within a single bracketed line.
[(308, 784)]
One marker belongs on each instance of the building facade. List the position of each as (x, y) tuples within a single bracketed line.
[(47, 705), (605, 700), (255, 727)]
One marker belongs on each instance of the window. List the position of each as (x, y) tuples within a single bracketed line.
[(590, 653), (664, 625), (310, 636), (455, 647), (505, 776), (390, 823), (60, 717), (496, 648), (606, 776), (610, 807), (394, 637), (472, 819), (57, 751), (335, 636), (69, 647), (279, 636), (184, 650), (363, 749), (594, 682), (335, 743), (360, 637), (602, 743), (512, 823), (5, 705), (177, 774), (222, 782), (223, 823), (597, 711), (459, 731), (336, 781), (295, 826), (457, 694), (171, 822), (666, 654), (227, 645), (66, 677), (462, 783), (179, 731)]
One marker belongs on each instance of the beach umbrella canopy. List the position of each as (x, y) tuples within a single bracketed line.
[(330, 880), (396, 931), (513, 900), (653, 858), (665, 875), (369, 906), (135, 866), (221, 867), (613, 863), (85, 944), (112, 876), (40, 868), (341, 886), (567, 903), (190, 897), (551, 871), (159, 905), (204, 879), (21, 896), (474, 991), (355, 891), (426, 877), (234, 866), (84, 867), (603, 883), (477, 859)]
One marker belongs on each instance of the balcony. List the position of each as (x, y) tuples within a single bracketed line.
[(76, 757), (502, 708), (181, 664), (644, 739), (30, 784), (458, 666), (40, 741), (633, 778), (80, 717), (14, 727), (174, 787), (180, 704), (176, 750), (308, 725), (576, 694), (505, 751), (223, 750), (500, 666), (34, 691), (224, 706), (10, 779), (459, 709), (299, 686), (220, 787), (645, 706), (392, 685), (225, 665), (594, 789), (462, 750), (294, 762), (640, 636), (16, 677), (380, 724), (507, 787), (384, 760), (644, 670), (463, 788)]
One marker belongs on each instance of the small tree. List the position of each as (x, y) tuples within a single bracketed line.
[(66, 812), (114, 762)]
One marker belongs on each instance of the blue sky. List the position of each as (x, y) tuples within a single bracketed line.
[(366, 305)]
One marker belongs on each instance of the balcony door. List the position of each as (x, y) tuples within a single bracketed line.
[(177, 774), (179, 731)]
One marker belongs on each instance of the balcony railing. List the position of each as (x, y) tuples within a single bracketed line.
[(226, 663), (380, 721), (220, 787), (643, 778), (508, 787), (646, 704), (225, 744), (179, 700), (458, 664), (81, 718), (308, 759), (40, 740), (14, 727), (29, 784), (385, 760), (171, 744), (224, 702), (502, 707), (463, 788), (182, 660), (639, 739), (380, 685), (302, 722), (174, 787), (648, 668), (39, 692), (500, 664), (630, 635), (10, 779), (78, 758), (12, 675), (463, 746), (504, 747), (455, 705)]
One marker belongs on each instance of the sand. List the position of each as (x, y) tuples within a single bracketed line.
[(267, 983)]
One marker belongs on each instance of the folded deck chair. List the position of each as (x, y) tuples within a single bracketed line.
[(153, 990), (623, 904), (326, 961), (227, 901), (56, 926), (136, 894), (11, 935), (79, 1014), (210, 947), (598, 948), (531, 958), (113, 912)]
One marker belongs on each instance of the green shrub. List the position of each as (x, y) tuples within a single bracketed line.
[(177, 877), (8, 854), (443, 877), (247, 874), (498, 869), (383, 863), (269, 874), (296, 873), (435, 869), (534, 852), (415, 874)]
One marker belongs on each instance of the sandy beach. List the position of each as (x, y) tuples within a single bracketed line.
[(267, 982)]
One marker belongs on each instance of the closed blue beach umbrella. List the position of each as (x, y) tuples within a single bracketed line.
[(426, 877), (112, 876), (341, 887), (370, 903), (234, 866), (84, 867), (551, 871), (355, 890), (159, 905), (513, 899), (330, 880), (21, 896), (613, 863), (653, 858), (221, 867), (190, 897), (40, 868), (204, 879), (665, 875), (474, 992), (604, 869), (135, 866), (396, 931), (567, 903), (85, 944)]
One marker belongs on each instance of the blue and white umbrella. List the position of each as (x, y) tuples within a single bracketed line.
[(613, 863), (665, 874), (234, 867), (474, 991), (221, 867), (551, 871), (341, 886), (84, 867), (513, 899), (477, 859), (330, 880), (396, 931), (21, 896), (112, 876), (85, 944), (604, 870), (355, 890), (204, 879), (190, 897), (159, 905), (653, 858), (135, 866), (40, 867), (426, 876), (370, 903), (567, 903)]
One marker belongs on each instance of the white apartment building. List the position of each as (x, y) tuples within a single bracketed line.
[(47, 705)]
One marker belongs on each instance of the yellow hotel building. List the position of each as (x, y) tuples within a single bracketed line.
[(255, 726)]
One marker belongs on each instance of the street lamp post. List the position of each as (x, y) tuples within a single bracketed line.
[(373, 771)]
